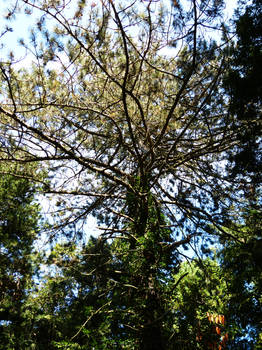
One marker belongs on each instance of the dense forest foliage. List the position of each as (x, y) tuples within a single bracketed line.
[(146, 115)]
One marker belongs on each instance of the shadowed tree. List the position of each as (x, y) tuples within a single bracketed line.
[(243, 85), (19, 217)]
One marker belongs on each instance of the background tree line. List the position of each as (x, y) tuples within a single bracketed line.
[(134, 114)]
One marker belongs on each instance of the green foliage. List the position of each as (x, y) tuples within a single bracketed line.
[(241, 264), (243, 84), (19, 217), (136, 133), (202, 290), (79, 304)]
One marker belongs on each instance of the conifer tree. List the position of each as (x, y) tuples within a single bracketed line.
[(19, 216), (124, 106)]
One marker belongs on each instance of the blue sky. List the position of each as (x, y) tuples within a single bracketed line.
[(22, 24)]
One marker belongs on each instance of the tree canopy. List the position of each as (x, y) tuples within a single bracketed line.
[(137, 113)]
